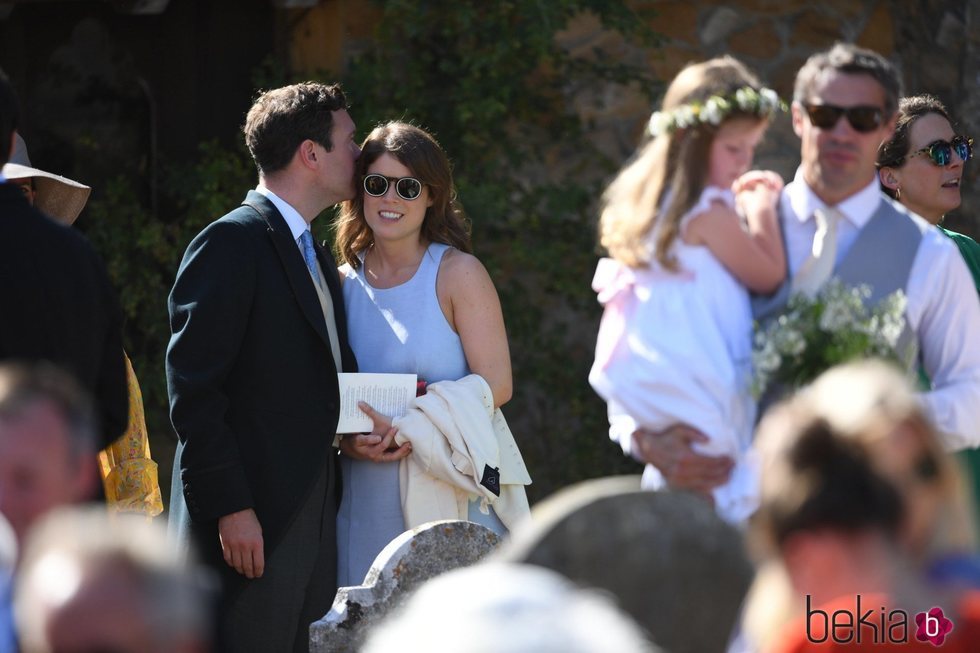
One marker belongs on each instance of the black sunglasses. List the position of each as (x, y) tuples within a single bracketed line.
[(408, 188), (941, 152), (863, 119)]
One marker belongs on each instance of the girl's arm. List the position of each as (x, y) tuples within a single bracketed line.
[(471, 306), (755, 258)]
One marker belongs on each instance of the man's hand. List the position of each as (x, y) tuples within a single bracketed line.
[(671, 452), (241, 542), (377, 446)]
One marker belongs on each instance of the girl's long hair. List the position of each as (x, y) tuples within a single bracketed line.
[(444, 222), (672, 166)]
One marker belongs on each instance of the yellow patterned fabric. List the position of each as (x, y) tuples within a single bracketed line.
[(129, 475)]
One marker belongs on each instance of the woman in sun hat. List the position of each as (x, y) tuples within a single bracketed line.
[(129, 475), (57, 196)]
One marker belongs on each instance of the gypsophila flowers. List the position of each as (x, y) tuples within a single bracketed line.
[(715, 109), (814, 334)]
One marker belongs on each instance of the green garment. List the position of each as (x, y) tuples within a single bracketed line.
[(970, 250)]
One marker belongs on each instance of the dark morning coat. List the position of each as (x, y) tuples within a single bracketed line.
[(253, 386), (56, 304)]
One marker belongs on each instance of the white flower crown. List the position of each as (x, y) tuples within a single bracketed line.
[(716, 108)]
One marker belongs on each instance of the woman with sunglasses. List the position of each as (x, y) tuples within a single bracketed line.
[(921, 166), (417, 302)]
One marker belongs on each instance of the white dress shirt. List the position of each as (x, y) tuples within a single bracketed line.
[(297, 225), (943, 309)]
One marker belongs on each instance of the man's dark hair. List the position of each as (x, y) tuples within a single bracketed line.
[(282, 118), (9, 116), (851, 59)]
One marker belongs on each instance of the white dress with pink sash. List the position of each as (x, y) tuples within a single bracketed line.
[(675, 347)]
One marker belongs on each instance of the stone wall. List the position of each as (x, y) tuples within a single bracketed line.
[(935, 43)]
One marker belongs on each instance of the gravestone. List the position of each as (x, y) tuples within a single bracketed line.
[(409, 560), (670, 561)]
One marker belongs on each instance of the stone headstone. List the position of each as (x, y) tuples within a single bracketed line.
[(672, 563), (410, 559)]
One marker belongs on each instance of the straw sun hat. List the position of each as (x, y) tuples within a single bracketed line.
[(59, 197)]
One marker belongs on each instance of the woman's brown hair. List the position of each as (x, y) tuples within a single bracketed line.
[(445, 222)]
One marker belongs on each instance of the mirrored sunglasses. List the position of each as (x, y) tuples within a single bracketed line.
[(863, 118), (408, 188), (941, 152)]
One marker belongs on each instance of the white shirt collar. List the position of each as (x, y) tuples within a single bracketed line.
[(297, 225), (858, 208)]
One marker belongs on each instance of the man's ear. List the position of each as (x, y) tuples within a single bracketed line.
[(796, 113), (307, 153)]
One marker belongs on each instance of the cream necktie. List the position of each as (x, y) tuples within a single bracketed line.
[(817, 269)]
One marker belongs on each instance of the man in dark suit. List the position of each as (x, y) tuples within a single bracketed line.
[(57, 302), (259, 335)]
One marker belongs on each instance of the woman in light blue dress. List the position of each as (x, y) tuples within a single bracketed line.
[(417, 302)]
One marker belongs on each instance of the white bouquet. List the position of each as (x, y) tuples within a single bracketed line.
[(816, 333)]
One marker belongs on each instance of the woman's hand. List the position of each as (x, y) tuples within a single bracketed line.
[(379, 445), (757, 194), (753, 178)]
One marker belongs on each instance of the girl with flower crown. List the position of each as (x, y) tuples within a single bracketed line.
[(690, 232)]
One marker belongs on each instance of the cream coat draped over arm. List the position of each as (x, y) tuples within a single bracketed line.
[(459, 443)]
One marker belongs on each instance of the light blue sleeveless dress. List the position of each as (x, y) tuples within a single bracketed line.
[(400, 330)]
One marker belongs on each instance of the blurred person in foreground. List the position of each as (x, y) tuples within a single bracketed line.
[(859, 505), (47, 443), (8, 556), (88, 584), (507, 608), (47, 459)]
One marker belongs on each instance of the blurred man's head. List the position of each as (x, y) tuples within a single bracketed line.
[(91, 583), (47, 443)]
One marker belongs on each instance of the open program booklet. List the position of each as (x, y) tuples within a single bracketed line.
[(389, 394)]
